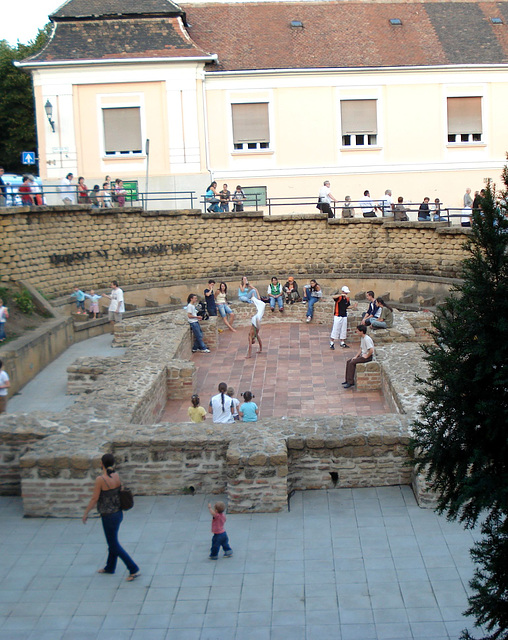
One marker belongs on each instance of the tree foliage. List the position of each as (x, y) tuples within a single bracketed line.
[(17, 113), (460, 440)]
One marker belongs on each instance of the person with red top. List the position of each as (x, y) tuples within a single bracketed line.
[(339, 329), (25, 192), (220, 537)]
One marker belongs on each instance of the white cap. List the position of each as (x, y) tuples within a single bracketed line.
[(345, 290)]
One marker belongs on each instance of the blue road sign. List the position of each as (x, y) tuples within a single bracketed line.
[(28, 157)]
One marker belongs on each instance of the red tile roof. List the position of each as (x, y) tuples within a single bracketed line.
[(349, 34)]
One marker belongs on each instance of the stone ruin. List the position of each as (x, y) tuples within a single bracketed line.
[(51, 459)]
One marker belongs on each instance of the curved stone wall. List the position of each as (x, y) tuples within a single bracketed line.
[(55, 248)]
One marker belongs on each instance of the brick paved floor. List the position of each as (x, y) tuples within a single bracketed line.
[(296, 375)]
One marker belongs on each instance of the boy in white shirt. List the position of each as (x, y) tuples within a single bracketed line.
[(365, 354)]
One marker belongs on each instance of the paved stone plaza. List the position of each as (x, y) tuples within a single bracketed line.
[(296, 375), (361, 564), (342, 564)]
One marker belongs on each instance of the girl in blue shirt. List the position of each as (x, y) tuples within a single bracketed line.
[(248, 410)]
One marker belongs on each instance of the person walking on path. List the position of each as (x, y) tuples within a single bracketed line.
[(194, 320), (117, 305), (80, 299), (221, 406), (220, 537), (106, 495), (94, 302), (5, 383), (365, 354), (339, 329), (4, 315)]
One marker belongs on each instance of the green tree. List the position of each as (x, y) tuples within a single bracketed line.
[(17, 113), (460, 439)]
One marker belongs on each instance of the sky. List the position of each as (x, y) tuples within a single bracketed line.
[(20, 20)]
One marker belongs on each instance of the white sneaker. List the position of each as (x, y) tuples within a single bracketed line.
[(205, 350), (309, 318)]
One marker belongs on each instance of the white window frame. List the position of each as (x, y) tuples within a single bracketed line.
[(360, 141), (132, 101), (466, 138), (237, 97)]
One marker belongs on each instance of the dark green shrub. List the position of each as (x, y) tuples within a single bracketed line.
[(24, 302)]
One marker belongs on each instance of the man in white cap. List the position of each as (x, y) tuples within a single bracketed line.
[(339, 329)]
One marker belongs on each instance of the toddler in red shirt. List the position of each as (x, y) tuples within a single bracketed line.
[(220, 537)]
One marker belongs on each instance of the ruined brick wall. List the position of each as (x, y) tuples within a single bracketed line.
[(55, 248)]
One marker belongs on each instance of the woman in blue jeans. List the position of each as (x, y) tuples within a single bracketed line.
[(311, 294), (106, 495)]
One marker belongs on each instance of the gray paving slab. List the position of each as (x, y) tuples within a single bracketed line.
[(47, 390), (292, 574)]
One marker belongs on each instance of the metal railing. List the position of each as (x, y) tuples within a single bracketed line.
[(251, 200), (137, 198), (133, 197)]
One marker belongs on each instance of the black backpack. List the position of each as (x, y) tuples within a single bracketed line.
[(202, 311)]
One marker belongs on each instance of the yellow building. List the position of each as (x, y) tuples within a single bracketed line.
[(370, 95)]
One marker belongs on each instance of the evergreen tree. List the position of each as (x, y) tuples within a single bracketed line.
[(460, 439), (17, 112)]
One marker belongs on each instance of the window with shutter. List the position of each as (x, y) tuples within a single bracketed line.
[(251, 130), (359, 123), (122, 130), (464, 119)]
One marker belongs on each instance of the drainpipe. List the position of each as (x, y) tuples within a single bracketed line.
[(205, 117)]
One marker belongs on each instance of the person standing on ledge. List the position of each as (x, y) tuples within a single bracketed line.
[(339, 329), (365, 354), (326, 198), (116, 306), (210, 299)]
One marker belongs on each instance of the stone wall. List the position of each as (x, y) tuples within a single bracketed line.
[(54, 248), (57, 455)]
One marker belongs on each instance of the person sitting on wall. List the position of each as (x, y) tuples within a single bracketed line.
[(325, 199), (311, 294), (424, 210), (276, 294), (291, 290), (373, 310), (400, 211), (367, 205), (365, 354), (246, 291), (385, 320)]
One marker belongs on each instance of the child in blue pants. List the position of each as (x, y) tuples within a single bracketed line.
[(220, 537)]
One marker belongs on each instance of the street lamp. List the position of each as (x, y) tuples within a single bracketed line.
[(48, 108)]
